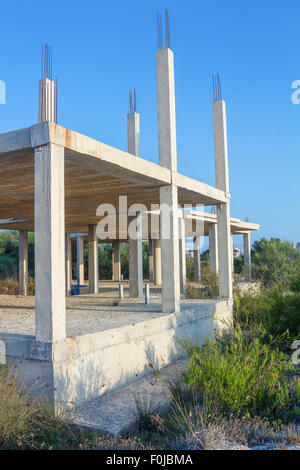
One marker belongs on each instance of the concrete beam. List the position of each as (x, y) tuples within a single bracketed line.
[(213, 248), (50, 243), (116, 260), (93, 260), (247, 253), (170, 250), (23, 262)]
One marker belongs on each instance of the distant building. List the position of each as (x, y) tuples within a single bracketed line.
[(237, 252)]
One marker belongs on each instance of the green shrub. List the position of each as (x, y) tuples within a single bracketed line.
[(207, 289), (240, 375), (278, 312)]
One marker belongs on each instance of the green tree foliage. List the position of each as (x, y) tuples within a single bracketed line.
[(275, 263)]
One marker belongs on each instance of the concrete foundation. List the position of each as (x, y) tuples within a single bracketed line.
[(83, 367)]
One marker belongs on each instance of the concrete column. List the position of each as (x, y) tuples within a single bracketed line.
[(49, 223), (135, 255), (213, 248), (223, 210), (157, 262), (116, 260), (170, 250), (46, 100), (68, 249), (23, 262), (80, 261), (197, 259), (133, 133), (247, 253), (93, 260), (151, 260), (182, 254), (166, 108), (232, 258)]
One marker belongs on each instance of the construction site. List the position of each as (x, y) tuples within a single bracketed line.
[(85, 337)]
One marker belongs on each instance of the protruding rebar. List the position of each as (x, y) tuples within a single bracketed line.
[(130, 101), (159, 31), (167, 22), (217, 90), (134, 106)]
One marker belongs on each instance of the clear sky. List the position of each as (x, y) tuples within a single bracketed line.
[(101, 49)]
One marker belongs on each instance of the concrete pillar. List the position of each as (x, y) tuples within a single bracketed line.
[(49, 223), (46, 100), (170, 250), (157, 262), (23, 262), (197, 259), (68, 249), (80, 261), (232, 258), (223, 210), (93, 260), (182, 254), (166, 108), (213, 248), (135, 256), (133, 133), (247, 253), (151, 260), (116, 260)]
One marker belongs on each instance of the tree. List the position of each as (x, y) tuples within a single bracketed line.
[(275, 263)]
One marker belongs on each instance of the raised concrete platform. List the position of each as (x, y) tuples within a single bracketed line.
[(108, 346)]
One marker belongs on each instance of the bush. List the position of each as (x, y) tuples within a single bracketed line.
[(275, 263), (208, 289), (276, 311), (239, 375)]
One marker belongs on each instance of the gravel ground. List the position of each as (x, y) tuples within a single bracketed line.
[(85, 313)]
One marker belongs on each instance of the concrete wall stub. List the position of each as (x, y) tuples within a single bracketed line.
[(23, 262), (116, 260), (247, 253), (166, 109), (169, 249), (93, 260), (213, 248), (49, 221)]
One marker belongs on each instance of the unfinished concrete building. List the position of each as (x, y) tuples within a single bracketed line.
[(53, 181)]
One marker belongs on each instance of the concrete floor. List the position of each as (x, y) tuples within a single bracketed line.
[(85, 313)]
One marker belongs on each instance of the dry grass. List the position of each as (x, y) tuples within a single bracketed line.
[(9, 287)]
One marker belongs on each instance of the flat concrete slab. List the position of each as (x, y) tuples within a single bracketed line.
[(114, 411)]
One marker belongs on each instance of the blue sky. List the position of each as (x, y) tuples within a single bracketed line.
[(101, 49)]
